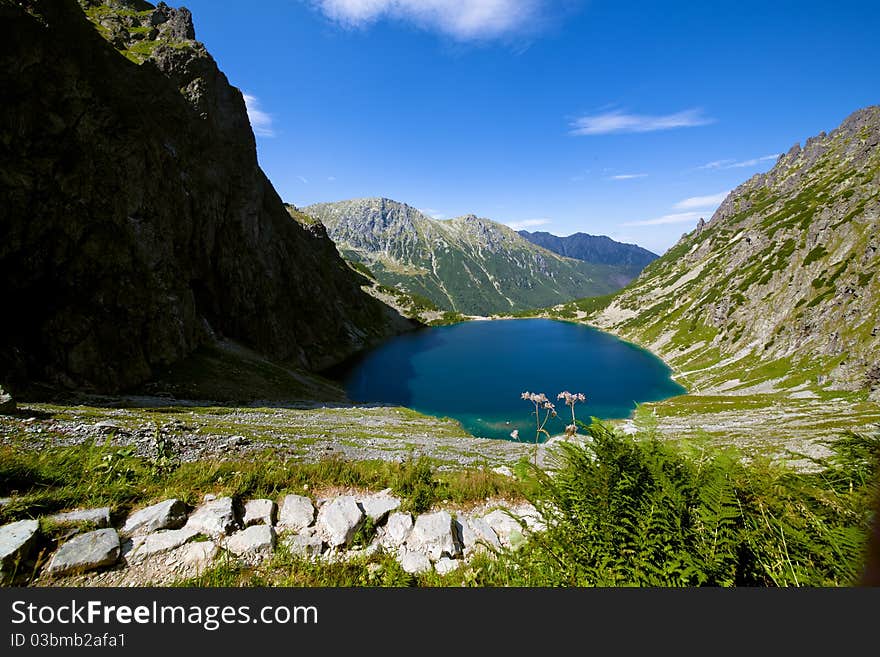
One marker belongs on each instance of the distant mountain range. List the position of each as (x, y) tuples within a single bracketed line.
[(597, 249), (467, 264)]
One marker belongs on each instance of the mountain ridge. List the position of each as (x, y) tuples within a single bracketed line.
[(468, 264), (594, 248), (777, 291)]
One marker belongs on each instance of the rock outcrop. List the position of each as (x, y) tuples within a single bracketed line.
[(137, 224)]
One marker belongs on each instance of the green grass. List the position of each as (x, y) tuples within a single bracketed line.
[(91, 475)]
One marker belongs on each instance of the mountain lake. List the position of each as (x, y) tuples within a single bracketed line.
[(476, 372)]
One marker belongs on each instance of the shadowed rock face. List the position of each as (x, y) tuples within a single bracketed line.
[(136, 222)]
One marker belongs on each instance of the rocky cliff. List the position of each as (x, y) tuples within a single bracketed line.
[(136, 222), (467, 264), (779, 290)]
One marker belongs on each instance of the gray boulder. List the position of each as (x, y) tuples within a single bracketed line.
[(414, 562), (377, 506), (252, 543), (145, 546), (17, 539), (295, 513), (169, 514), (259, 512), (434, 536), (308, 543), (98, 517), (86, 552), (7, 403), (214, 518), (339, 519)]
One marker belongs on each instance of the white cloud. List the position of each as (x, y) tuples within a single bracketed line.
[(434, 214), (331, 178), (628, 176), (617, 121), (303, 180), (261, 121), (733, 164), (528, 223), (462, 19), (677, 218), (694, 202)]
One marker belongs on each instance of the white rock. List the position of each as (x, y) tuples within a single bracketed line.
[(530, 516), (168, 514), (377, 506), (466, 536), (98, 517), (295, 513), (397, 529), (507, 529), (339, 519), (252, 543), (433, 535), (145, 546), (259, 512), (446, 565), (475, 534), (16, 541), (305, 544), (414, 562), (86, 552), (214, 518), (503, 470)]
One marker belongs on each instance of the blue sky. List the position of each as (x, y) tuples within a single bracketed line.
[(627, 119)]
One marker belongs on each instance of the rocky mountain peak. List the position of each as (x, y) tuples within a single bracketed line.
[(469, 264)]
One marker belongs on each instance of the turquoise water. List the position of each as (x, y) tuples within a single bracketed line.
[(476, 371)]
